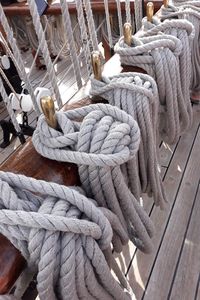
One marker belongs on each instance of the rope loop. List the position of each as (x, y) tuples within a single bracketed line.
[(62, 234), (106, 136)]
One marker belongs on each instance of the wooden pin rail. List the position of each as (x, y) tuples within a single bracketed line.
[(54, 8)]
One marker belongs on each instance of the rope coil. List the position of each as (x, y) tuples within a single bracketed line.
[(159, 55), (62, 234), (105, 140), (137, 95)]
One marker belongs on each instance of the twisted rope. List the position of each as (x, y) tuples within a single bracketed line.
[(44, 48), (136, 94), (18, 60), (91, 25), (159, 55), (191, 13), (105, 140), (62, 234), (70, 38)]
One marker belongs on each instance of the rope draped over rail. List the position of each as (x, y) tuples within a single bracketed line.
[(104, 141), (137, 95), (159, 56), (191, 13), (184, 31), (63, 235)]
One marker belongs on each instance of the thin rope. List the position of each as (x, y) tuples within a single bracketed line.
[(44, 48), (119, 14), (108, 23), (18, 60), (91, 25), (70, 38)]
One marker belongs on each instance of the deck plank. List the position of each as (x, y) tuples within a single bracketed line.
[(141, 262), (186, 277), (160, 280)]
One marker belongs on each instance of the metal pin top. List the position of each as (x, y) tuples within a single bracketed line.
[(48, 108), (127, 33), (166, 3), (150, 11), (96, 65)]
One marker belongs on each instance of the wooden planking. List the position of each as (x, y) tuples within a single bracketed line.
[(142, 262), (187, 274), (160, 280), (166, 153), (197, 295)]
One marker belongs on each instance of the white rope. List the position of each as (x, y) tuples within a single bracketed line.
[(119, 14), (91, 25), (137, 95), (108, 23), (138, 14), (128, 11), (192, 14), (106, 139), (84, 35), (18, 58), (62, 234), (44, 48), (70, 38), (159, 55)]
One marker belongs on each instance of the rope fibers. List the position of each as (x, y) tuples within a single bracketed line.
[(159, 55), (63, 235), (137, 95), (105, 140), (190, 12)]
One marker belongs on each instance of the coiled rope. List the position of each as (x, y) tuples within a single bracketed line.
[(63, 235), (189, 12), (159, 56), (100, 145), (184, 31), (137, 95)]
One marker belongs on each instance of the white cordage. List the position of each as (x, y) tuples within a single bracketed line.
[(45, 50), (105, 140), (64, 237), (17, 58), (159, 55), (189, 11), (137, 95)]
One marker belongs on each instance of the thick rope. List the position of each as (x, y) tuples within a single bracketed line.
[(137, 95), (62, 234), (44, 48), (18, 60), (128, 11), (138, 14), (192, 14), (108, 23), (119, 14), (159, 56), (184, 31), (105, 140)]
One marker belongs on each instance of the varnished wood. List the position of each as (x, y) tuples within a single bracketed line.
[(54, 8)]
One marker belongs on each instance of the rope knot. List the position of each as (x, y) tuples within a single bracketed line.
[(107, 136)]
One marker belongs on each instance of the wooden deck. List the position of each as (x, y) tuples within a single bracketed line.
[(172, 271)]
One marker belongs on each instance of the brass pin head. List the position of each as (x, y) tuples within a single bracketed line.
[(166, 3), (96, 65), (48, 108), (150, 11), (127, 33)]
